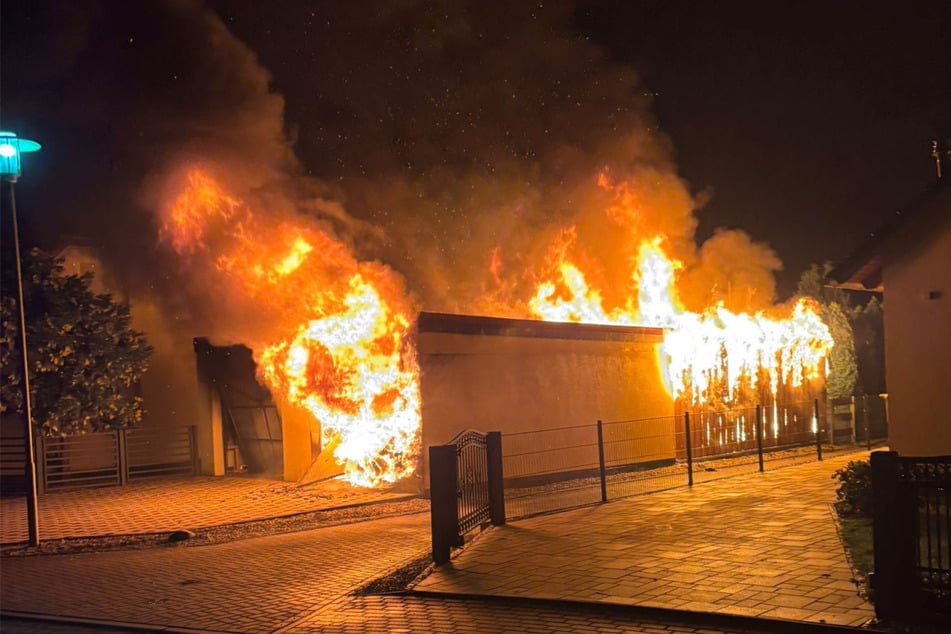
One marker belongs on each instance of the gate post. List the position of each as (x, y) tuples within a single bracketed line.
[(884, 533), (122, 456), (194, 456), (443, 500), (815, 414), (493, 457), (39, 449)]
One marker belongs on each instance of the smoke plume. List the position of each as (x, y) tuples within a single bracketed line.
[(451, 141)]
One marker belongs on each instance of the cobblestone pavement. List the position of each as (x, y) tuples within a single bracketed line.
[(255, 585), (399, 614), (154, 506), (762, 545), (289, 584)]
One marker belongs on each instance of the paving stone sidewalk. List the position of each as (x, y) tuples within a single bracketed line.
[(757, 544), (249, 586), (763, 545), (297, 583), (161, 505)]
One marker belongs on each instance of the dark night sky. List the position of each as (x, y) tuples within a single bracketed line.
[(805, 123)]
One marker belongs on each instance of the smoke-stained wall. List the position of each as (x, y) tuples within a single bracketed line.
[(520, 376)]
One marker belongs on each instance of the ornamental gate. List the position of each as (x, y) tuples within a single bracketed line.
[(912, 537), (466, 488)]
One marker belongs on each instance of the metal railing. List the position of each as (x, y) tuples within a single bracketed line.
[(465, 489), (12, 471), (567, 467), (155, 453), (912, 537), (102, 458), (75, 462)]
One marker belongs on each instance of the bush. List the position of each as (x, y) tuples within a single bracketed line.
[(854, 495)]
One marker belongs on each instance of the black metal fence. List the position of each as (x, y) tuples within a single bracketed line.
[(465, 489), (101, 459), (912, 537), (566, 467)]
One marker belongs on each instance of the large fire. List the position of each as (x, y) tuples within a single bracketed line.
[(330, 332), (712, 355), (700, 349)]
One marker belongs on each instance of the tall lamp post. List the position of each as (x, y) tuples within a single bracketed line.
[(10, 149)]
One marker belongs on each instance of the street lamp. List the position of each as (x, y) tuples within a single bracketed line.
[(11, 148)]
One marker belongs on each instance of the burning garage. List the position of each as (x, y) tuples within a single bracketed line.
[(363, 380), (339, 371)]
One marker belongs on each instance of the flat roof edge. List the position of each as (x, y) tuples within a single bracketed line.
[(504, 327)]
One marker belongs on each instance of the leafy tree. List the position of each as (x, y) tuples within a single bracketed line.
[(833, 308), (85, 360)]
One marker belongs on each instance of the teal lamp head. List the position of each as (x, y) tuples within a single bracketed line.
[(10, 149)]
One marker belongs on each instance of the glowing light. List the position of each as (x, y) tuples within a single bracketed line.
[(712, 355), (333, 331), (11, 147)]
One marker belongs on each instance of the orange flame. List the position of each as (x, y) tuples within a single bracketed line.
[(702, 351), (332, 338), (330, 333)]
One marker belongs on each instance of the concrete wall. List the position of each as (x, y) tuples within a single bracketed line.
[(918, 349), (519, 376)]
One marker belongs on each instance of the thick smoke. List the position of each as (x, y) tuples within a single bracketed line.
[(453, 141), (474, 134)]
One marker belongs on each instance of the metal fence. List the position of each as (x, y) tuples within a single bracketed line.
[(912, 537), (566, 467), (101, 459), (12, 454)]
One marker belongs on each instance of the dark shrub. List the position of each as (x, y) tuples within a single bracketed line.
[(854, 495)]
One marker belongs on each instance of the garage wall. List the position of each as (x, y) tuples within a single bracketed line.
[(519, 376)]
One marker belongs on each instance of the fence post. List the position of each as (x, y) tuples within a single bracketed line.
[(493, 457), (193, 449), (444, 496), (604, 482), (122, 457), (689, 448), (39, 448), (759, 436), (884, 533), (815, 414), (868, 435), (852, 438)]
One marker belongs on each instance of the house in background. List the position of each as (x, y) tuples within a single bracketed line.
[(909, 262)]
